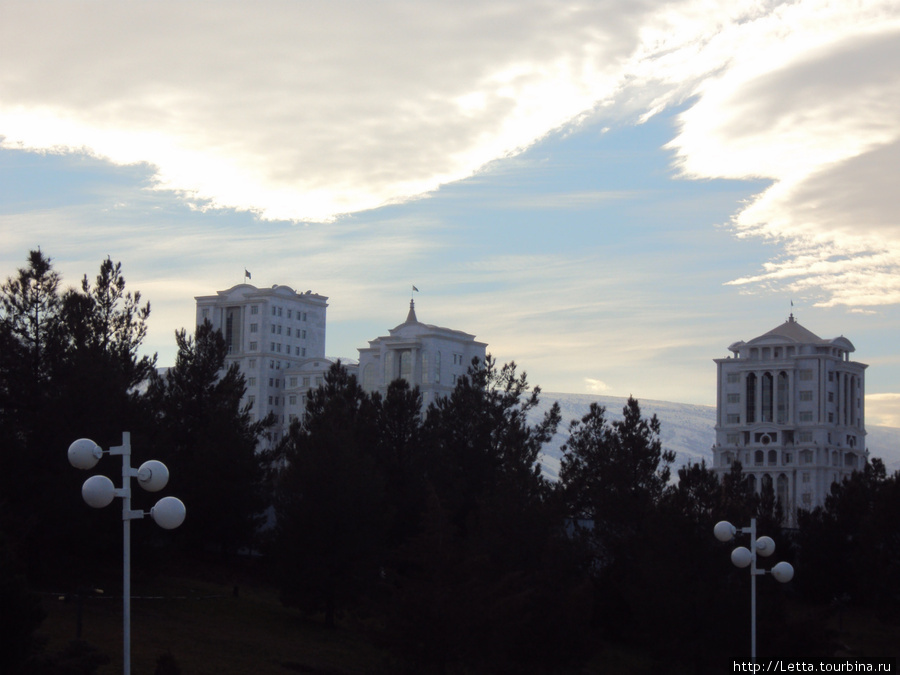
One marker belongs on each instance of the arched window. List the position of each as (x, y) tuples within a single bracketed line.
[(751, 398), (781, 492), (773, 457), (758, 457), (766, 392), (783, 398)]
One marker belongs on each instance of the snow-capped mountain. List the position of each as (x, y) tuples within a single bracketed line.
[(687, 429)]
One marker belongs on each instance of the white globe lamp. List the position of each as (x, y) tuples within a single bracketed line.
[(168, 513), (98, 491), (84, 454)]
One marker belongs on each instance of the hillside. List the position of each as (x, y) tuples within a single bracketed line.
[(687, 429)]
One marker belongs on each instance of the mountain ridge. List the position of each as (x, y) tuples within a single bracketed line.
[(686, 428)]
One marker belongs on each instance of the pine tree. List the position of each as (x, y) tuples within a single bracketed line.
[(209, 440), (330, 513)]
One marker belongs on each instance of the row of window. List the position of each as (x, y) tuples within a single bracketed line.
[(805, 395), (802, 416), (277, 347), (804, 374), (279, 311), (770, 458)]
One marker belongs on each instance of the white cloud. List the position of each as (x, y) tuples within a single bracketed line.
[(883, 410), (595, 386)]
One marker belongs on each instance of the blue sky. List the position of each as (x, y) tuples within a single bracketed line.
[(607, 193)]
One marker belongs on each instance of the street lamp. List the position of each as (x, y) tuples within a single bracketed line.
[(99, 491), (742, 557)]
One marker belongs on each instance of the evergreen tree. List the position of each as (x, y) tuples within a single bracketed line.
[(68, 368), (209, 441), (490, 580), (613, 474), (330, 507)]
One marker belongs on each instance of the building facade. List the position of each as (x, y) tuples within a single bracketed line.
[(427, 356), (791, 410), (271, 333)]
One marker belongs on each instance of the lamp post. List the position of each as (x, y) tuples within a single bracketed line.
[(99, 491), (742, 557)]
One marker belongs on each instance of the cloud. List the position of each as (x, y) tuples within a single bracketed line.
[(883, 409), (595, 386), (817, 115), (304, 111)]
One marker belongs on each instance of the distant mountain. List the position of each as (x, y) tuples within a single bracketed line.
[(687, 429)]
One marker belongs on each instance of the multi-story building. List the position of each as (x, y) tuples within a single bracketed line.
[(270, 333), (427, 356), (790, 409)]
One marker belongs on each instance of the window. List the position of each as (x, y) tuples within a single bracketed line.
[(279, 311), (278, 347), (806, 437), (831, 397), (289, 331), (270, 400), (252, 362), (274, 312), (788, 458), (303, 334), (806, 374), (831, 376), (293, 381), (732, 439), (254, 327), (303, 351), (251, 382), (806, 498), (806, 395), (734, 398), (293, 400), (831, 417), (254, 309), (806, 416), (731, 418), (253, 347), (805, 477), (279, 329), (273, 329), (733, 378), (304, 316), (272, 347), (289, 314), (305, 381), (205, 313), (296, 351), (271, 382)]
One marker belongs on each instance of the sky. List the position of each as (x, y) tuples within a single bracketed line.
[(608, 193)]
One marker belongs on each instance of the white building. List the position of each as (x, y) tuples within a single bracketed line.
[(270, 333), (427, 356), (790, 409)]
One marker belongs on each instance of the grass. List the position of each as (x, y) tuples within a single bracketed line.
[(198, 619), (209, 631)]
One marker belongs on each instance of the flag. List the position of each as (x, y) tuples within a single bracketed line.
[(415, 289), (247, 274)]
